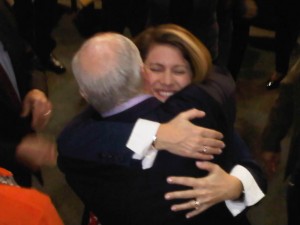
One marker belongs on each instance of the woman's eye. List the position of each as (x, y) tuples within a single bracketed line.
[(157, 70), (179, 72)]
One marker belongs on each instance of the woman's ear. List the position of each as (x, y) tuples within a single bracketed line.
[(143, 71), (144, 79), (83, 94)]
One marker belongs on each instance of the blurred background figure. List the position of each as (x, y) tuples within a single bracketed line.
[(197, 16), (25, 107), (283, 116), (286, 34), (241, 14), (222, 25), (112, 15), (118, 14), (36, 20)]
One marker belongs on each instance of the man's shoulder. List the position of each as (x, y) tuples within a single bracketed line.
[(75, 130)]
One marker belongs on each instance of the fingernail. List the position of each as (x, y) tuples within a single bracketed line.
[(173, 208), (187, 216), (199, 163), (167, 197), (169, 180)]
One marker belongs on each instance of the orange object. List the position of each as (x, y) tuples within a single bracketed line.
[(5, 173), (26, 206)]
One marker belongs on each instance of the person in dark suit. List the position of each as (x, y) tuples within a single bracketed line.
[(283, 116), (114, 192), (120, 14), (25, 107), (36, 20), (198, 16), (287, 30)]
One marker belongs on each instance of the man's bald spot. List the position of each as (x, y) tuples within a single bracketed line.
[(98, 54)]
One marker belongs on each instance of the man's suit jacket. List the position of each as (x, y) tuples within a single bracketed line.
[(118, 191), (12, 126)]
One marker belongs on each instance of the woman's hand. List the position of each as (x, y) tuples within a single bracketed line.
[(181, 137), (216, 187)]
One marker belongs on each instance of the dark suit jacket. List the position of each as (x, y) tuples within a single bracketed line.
[(115, 189), (12, 126), (197, 16)]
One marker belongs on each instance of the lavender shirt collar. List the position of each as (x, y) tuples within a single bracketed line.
[(132, 102)]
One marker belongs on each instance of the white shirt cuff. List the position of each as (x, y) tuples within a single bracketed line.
[(252, 192), (140, 142)]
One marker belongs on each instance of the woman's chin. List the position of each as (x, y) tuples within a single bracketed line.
[(161, 98)]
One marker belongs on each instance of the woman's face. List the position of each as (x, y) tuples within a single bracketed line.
[(166, 71)]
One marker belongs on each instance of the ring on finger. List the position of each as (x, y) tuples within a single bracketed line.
[(204, 149), (196, 204)]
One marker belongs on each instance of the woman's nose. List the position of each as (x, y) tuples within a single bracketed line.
[(167, 78)]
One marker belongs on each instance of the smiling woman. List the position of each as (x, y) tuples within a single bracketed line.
[(166, 71), (173, 59)]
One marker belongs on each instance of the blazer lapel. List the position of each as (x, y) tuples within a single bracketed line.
[(8, 89)]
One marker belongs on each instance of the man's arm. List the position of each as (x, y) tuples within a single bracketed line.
[(279, 122)]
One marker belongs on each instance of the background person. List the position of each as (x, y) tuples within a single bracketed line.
[(197, 16), (283, 117), (25, 107), (36, 20), (286, 34)]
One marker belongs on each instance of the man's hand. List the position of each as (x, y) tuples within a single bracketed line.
[(179, 136), (36, 103), (216, 187), (36, 151), (271, 162)]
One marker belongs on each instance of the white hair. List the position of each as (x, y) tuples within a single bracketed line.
[(107, 68)]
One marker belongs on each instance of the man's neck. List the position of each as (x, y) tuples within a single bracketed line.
[(126, 105)]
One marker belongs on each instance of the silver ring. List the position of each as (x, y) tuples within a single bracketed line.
[(196, 204), (48, 112), (204, 150)]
